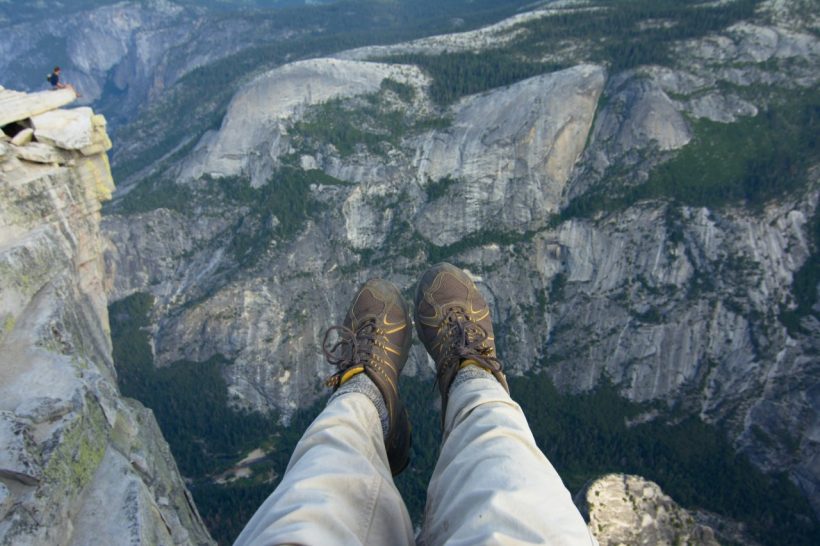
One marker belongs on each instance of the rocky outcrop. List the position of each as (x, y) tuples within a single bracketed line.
[(638, 116), (624, 509), (79, 464), (16, 106)]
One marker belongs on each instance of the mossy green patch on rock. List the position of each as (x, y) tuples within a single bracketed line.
[(73, 463), (8, 321)]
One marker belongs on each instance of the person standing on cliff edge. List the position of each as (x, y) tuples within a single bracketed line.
[(54, 80)]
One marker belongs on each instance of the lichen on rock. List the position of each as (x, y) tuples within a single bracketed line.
[(79, 450)]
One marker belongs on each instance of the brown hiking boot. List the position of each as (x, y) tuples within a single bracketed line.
[(453, 321), (375, 339)]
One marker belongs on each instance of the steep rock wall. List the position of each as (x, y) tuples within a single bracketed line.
[(79, 464)]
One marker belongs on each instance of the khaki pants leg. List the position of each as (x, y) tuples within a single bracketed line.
[(492, 485), (337, 488)]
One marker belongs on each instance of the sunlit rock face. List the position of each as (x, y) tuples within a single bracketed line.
[(513, 151), (624, 509), (79, 464), (254, 132)]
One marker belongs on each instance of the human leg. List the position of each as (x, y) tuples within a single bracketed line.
[(491, 485), (338, 487)]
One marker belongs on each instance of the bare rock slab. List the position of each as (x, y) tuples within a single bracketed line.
[(16, 106)]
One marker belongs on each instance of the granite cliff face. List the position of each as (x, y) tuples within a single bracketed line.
[(676, 304), (79, 464), (254, 133)]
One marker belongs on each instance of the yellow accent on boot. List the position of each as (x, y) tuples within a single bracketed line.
[(349, 374), (469, 362)]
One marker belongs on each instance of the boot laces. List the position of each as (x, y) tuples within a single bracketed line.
[(462, 339), (352, 349)]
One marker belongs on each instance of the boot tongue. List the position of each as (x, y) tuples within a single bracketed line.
[(370, 303), (367, 306), (451, 289)]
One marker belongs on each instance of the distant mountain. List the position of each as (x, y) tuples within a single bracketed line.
[(17, 12)]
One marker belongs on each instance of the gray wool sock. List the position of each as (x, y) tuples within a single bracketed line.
[(362, 384), (470, 372)]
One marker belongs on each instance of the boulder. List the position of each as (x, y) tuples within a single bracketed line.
[(23, 137), (68, 129), (37, 152)]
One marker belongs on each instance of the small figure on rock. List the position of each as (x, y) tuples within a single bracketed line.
[(54, 80)]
